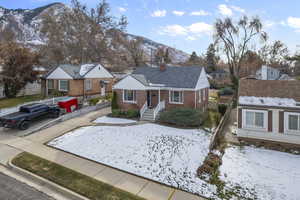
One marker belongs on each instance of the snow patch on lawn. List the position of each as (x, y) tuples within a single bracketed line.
[(113, 120), (164, 154), (273, 175)]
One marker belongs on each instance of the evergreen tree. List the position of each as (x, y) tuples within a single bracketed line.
[(211, 58), (193, 57)]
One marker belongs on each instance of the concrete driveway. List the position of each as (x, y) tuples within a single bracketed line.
[(16, 132)]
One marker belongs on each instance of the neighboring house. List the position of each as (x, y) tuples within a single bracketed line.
[(221, 76), (269, 110), (270, 73), (152, 89), (78, 80), (33, 88)]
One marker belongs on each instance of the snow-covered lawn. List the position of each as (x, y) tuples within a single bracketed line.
[(112, 120), (164, 154), (272, 175)]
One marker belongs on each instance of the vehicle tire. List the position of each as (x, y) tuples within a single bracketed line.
[(55, 114), (24, 125)]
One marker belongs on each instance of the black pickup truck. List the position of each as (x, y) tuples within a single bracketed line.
[(27, 114)]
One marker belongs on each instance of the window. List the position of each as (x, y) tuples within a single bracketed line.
[(129, 96), (200, 96), (293, 123), (50, 84), (88, 84), (176, 97), (63, 85), (255, 119)]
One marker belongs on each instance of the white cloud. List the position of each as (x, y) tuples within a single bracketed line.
[(200, 13), (178, 13), (225, 10), (122, 9), (200, 28), (294, 22), (159, 13), (192, 32), (238, 9), (173, 30)]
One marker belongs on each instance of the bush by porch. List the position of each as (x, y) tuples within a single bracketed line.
[(186, 117)]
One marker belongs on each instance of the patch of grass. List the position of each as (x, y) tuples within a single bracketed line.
[(213, 119), (130, 114), (79, 183), (11, 102)]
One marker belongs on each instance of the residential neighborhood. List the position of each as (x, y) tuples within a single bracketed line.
[(124, 100)]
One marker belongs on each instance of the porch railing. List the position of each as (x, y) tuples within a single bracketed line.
[(160, 106), (143, 109)]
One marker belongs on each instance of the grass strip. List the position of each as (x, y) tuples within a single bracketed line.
[(79, 183)]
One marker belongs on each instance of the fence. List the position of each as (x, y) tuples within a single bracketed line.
[(219, 131), (6, 111)]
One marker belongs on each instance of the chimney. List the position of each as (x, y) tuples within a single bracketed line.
[(162, 66)]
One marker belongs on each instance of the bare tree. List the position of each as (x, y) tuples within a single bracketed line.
[(235, 40), (274, 54), (80, 34)]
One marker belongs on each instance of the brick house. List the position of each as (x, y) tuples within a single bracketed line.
[(78, 80), (269, 110), (152, 89)]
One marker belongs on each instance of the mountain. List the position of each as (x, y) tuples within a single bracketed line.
[(27, 23)]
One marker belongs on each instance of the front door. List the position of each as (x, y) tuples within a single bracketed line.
[(149, 98)]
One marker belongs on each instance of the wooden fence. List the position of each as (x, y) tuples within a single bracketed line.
[(219, 131)]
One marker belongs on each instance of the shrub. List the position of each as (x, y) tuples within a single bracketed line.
[(222, 108), (226, 91), (114, 103), (93, 101), (126, 114), (185, 117)]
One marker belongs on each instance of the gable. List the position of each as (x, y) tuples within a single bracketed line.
[(129, 83), (98, 72), (58, 73), (202, 81)]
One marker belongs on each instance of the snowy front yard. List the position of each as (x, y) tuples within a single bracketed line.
[(167, 155), (268, 174)]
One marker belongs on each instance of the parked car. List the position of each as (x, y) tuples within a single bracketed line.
[(27, 114)]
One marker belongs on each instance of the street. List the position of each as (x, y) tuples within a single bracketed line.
[(11, 189)]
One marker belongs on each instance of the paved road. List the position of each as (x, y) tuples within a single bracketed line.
[(11, 189)]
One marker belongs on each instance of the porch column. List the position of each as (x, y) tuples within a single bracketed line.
[(159, 95), (46, 88)]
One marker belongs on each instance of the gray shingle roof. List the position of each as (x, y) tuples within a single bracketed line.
[(175, 77), (72, 70)]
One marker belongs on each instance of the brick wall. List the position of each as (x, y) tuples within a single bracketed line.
[(188, 102), (76, 87), (141, 97)]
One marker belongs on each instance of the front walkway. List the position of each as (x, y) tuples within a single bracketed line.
[(10, 146)]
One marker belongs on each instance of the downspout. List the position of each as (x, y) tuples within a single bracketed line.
[(83, 89), (195, 99)]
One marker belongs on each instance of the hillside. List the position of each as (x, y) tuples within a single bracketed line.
[(26, 24)]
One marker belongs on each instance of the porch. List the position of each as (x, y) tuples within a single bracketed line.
[(153, 105)]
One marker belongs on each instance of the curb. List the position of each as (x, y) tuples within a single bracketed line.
[(44, 182)]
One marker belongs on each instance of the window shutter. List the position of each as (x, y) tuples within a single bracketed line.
[(270, 121), (240, 118), (281, 121)]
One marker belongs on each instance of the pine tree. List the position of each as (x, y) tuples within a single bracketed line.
[(193, 57), (211, 58)]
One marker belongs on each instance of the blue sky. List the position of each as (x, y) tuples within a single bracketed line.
[(187, 24)]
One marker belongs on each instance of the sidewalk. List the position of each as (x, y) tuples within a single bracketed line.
[(34, 144)]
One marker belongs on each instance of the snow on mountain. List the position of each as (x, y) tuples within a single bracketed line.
[(27, 25)]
